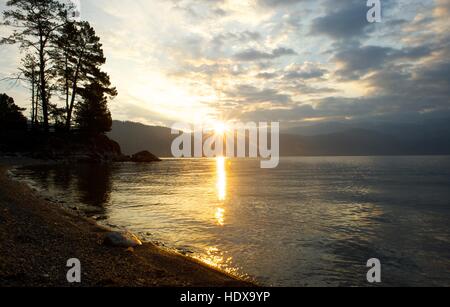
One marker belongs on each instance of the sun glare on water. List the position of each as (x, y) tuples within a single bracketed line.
[(220, 216), (221, 188), (221, 178)]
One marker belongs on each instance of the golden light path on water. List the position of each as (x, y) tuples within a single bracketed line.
[(220, 216), (213, 256), (221, 188), (221, 178)]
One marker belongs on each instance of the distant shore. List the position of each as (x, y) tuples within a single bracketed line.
[(37, 238)]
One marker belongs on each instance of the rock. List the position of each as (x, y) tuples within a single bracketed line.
[(122, 158), (144, 157), (92, 210), (121, 239)]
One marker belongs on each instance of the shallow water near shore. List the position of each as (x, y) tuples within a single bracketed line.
[(310, 222)]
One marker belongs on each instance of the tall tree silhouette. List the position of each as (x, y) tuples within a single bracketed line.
[(34, 24), (68, 55), (78, 60), (30, 73)]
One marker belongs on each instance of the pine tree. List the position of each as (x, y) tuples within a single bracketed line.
[(78, 61), (34, 24), (30, 73), (92, 114)]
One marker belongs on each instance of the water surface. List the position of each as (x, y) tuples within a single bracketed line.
[(310, 222)]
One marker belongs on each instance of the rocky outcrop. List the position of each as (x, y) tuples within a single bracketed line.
[(141, 157), (144, 157), (69, 147), (92, 149)]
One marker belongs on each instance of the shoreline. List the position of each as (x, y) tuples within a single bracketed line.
[(37, 238)]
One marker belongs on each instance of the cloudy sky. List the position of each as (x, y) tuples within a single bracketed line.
[(293, 61)]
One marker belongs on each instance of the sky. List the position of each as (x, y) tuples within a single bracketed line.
[(292, 61)]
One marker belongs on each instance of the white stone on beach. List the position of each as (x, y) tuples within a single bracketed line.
[(121, 239)]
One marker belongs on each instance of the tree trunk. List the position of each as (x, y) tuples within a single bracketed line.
[(33, 78), (43, 85), (38, 97), (74, 91), (68, 114), (70, 110)]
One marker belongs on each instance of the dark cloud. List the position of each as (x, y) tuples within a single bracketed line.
[(249, 94), (256, 55), (306, 73), (430, 83), (359, 61), (347, 20), (279, 114), (267, 75), (275, 3), (303, 88), (346, 23), (439, 75), (220, 12), (391, 107)]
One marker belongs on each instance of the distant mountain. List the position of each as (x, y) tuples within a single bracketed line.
[(351, 142), (319, 129), (136, 137), (331, 139), (421, 129)]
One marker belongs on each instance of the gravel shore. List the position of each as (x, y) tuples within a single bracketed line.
[(38, 237)]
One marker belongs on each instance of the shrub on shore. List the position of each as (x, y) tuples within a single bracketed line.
[(11, 117)]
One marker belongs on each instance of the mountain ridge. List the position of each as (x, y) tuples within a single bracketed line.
[(344, 141)]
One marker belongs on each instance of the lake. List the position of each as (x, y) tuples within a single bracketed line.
[(310, 222)]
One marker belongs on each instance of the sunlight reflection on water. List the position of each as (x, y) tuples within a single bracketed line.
[(221, 178), (311, 221)]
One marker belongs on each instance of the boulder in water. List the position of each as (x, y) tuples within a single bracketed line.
[(144, 157), (121, 239)]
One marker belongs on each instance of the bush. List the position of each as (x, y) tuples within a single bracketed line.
[(11, 117)]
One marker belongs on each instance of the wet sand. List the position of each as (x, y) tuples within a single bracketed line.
[(37, 238)]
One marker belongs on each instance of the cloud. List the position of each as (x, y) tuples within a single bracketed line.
[(358, 61), (267, 75), (305, 72), (249, 94), (270, 59), (442, 8), (348, 22), (223, 40), (277, 3), (256, 55)]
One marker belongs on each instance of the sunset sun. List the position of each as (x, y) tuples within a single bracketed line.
[(220, 128)]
